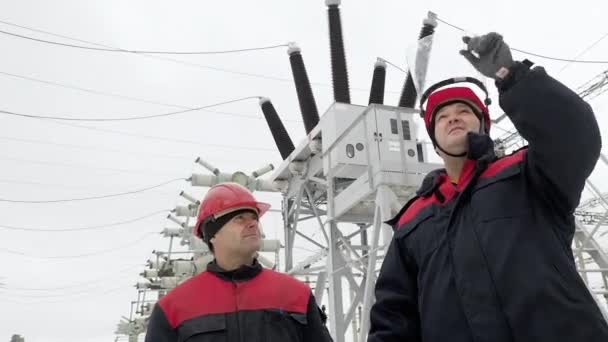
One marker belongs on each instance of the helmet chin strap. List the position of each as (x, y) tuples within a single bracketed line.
[(482, 130), (450, 154)]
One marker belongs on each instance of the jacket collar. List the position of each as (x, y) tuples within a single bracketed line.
[(243, 273), (481, 153), (435, 183)]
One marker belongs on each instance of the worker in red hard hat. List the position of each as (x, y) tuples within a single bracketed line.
[(483, 251), (238, 243), (464, 101), (236, 299)]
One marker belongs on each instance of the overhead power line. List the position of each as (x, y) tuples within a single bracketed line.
[(94, 295), (587, 49), (111, 276), (148, 137), (536, 54), (85, 228), (131, 98), (130, 118), (393, 65), (91, 197), (185, 63), (145, 51), (96, 169), (101, 252), (163, 58)]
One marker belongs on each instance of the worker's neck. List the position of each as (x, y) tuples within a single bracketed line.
[(232, 262), (453, 167)]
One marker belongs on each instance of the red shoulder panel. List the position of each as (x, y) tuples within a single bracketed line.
[(447, 190), (503, 163), (207, 294), (273, 290), (199, 295)]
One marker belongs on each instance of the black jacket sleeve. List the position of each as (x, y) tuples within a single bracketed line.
[(315, 329), (561, 130), (159, 329), (394, 315)]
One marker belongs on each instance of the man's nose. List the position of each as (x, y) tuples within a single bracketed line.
[(453, 118), (251, 223)]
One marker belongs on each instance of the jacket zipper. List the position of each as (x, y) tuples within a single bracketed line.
[(236, 304)]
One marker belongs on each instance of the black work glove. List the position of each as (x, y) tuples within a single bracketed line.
[(494, 54)]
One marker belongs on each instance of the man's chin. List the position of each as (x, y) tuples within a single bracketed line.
[(255, 245), (456, 150)]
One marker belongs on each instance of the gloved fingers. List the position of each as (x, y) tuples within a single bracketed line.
[(470, 57), (482, 45), (495, 43), (472, 43)]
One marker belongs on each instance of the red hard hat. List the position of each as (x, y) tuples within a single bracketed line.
[(224, 198), (455, 94)]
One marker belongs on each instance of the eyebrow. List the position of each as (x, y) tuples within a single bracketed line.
[(459, 105), (246, 213)]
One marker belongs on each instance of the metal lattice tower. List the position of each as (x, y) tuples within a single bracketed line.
[(355, 171)]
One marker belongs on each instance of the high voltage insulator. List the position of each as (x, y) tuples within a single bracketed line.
[(376, 93), (185, 211), (277, 129), (190, 198), (174, 219), (306, 99), (251, 182), (172, 232), (338, 57), (262, 171), (207, 166)]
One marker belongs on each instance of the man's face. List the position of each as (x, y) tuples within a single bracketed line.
[(240, 236), (452, 123)]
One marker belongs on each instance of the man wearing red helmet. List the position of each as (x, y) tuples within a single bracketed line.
[(483, 252), (236, 299)]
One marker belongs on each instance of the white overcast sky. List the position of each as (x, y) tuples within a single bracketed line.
[(45, 160)]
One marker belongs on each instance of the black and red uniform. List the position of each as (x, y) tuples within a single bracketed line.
[(248, 304), (490, 258)]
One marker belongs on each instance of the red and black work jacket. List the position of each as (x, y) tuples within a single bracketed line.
[(247, 304), (490, 258)]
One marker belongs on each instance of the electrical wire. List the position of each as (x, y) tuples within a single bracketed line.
[(72, 293), (168, 59), (536, 54), (128, 118), (131, 98), (85, 228), (92, 197), (145, 51), (110, 276), (85, 296), (96, 169), (184, 63), (96, 253), (95, 148), (560, 59), (157, 193), (121, 151), (393, 65), (585, 51), (91, 91)]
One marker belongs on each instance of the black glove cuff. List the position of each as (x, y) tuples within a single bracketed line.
[(517, 71)]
